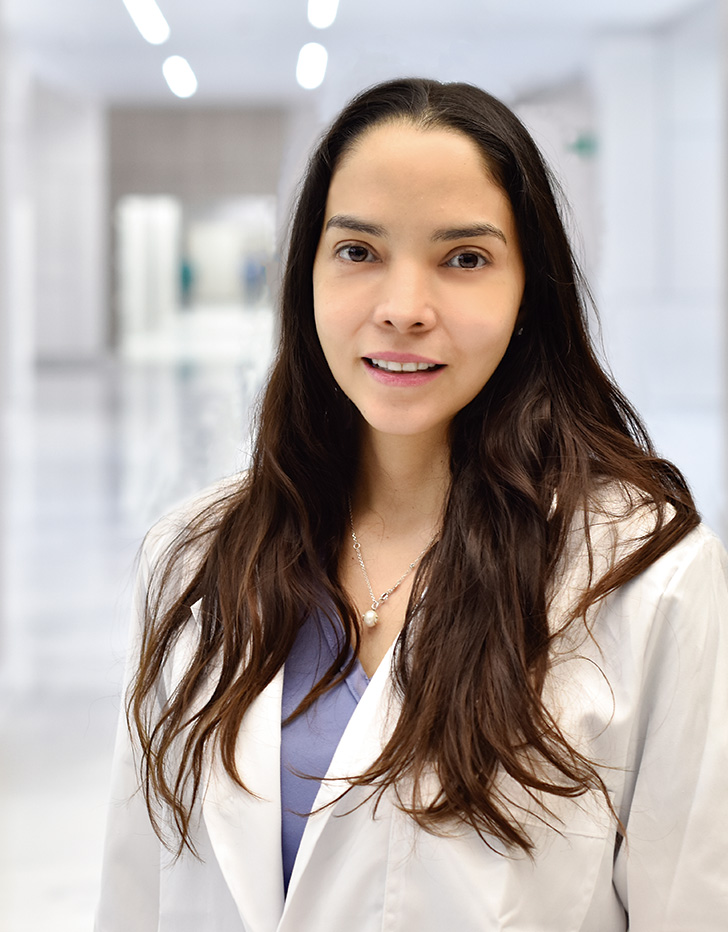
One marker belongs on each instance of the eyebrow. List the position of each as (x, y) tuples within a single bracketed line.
[(470, 232), (348, 222)]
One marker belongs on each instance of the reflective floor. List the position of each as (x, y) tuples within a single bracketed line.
[(90, 464), (97, 457)]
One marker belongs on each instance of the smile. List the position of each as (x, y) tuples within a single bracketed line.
[(391, 366)]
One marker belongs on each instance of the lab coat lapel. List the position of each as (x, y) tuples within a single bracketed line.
[(364, 738), (245, 827)]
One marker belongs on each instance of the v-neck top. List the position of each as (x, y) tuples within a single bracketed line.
[(308, 742)]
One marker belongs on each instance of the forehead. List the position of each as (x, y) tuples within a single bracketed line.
[(401, 135), (408, 176)]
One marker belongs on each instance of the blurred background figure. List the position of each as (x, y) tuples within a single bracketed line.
[(148, 159)]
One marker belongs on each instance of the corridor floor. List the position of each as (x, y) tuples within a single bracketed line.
[(99, 454)]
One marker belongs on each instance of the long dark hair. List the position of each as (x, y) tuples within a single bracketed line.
[(529, 456)]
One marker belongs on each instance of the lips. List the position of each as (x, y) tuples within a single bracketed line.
[(390, 356), (402, 368), (388, 361), (392, 365)]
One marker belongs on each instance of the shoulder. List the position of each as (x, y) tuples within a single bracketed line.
[(700, 549), (619, 516), (612, 523), (615, 521), (680, 599), (661, 634), (189, 525), (615, 524), (690, 579), (668, 627), (620, 520)]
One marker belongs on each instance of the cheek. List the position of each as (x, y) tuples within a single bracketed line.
[(324, 324), (491, 337), (335, 315), (332, 339), (320, 315)]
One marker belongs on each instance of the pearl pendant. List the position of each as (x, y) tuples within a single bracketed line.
[(370, 618)]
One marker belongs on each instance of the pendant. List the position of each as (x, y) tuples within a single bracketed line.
[(370, 618)]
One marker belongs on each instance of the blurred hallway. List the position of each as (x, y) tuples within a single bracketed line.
[(102, 452)]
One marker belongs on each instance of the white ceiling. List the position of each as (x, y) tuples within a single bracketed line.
[(245, 52)]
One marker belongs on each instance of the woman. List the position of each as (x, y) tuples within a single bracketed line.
[(457, 583)]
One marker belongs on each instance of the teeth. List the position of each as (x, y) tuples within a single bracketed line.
[(403, 366)]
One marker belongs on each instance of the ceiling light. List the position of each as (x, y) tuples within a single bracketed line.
[(180, 77), (149, 20), (322, 13), (311, 66)]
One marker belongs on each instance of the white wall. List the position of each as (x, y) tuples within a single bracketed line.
[(561, 120), (71, 226), (16, 229), (648, 205), (660, 127), (148, 234)]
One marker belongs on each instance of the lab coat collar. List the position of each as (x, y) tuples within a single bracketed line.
[(245, 827), (363, 740)]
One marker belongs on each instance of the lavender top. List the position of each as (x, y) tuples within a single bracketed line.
[(308, 743)]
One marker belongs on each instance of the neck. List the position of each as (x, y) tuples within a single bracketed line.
[(403, 479)]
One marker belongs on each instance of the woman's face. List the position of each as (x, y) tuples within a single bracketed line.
[(418, 277)]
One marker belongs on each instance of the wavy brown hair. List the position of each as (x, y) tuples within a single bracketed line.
[(527, 457)]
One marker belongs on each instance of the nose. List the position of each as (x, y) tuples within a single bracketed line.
[(405, 301)]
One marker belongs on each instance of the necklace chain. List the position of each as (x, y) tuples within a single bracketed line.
[(370, 617)]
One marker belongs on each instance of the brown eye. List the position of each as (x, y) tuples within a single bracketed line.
[(467, 260), (354, 253)]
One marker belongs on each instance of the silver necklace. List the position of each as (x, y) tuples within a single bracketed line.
[(370, 618)]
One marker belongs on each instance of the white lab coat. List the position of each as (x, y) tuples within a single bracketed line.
[(647, 696)]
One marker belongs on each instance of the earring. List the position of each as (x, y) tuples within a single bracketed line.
[(519, 332)]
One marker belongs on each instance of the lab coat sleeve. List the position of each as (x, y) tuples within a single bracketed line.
[(672, 872), (129, 900)]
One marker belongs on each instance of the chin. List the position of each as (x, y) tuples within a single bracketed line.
[(404, 425)]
